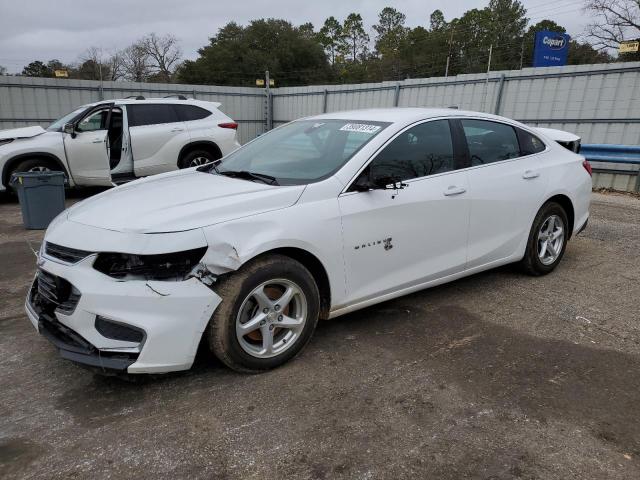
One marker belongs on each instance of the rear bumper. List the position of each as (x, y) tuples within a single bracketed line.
[(171, 316)]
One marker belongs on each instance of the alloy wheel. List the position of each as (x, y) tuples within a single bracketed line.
[(550, 239), (197, 161), (271, 318)]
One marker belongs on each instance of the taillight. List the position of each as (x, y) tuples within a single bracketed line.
[(231, 125), (587, 167)]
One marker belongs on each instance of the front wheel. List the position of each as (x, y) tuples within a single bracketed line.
[(547, 240), (268, 313)]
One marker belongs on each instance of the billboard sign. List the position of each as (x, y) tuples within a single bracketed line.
[(551, 49)]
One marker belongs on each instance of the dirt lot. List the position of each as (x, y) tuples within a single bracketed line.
[(495, 376)]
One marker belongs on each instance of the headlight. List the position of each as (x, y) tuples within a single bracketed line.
[(166, 266), (4, 141)]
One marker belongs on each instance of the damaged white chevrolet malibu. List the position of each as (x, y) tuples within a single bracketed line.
[(317, 218)]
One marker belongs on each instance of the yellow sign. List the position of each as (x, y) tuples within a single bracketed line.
[(61, 73), (629, 47), (260, 82)]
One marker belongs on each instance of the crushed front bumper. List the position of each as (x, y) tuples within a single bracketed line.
[(67, 303)]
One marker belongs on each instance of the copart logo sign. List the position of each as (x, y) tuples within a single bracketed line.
[(555, 43), (551, 49)]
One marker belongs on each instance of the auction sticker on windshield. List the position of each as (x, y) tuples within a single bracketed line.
[(360, 127)]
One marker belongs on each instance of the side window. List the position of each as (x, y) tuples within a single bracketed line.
[(151, 114), (94, 121), (187, 113), (489, 141), (529, 144), (425, 149)]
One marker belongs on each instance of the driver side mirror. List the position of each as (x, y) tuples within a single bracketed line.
[(70, 129)]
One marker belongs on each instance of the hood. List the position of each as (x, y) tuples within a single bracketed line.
[(180, 201), (24, 132)]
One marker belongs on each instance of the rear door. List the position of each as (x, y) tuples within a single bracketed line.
[(507, 182), (395, 239), (87, 149), (156, 136)]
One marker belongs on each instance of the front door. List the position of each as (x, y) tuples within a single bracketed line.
[(397, 238), (87, 149)]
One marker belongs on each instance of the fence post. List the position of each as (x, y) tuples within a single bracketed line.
[(324, 101), (496, 109), (268, 103), (637, 186), (396, 98)]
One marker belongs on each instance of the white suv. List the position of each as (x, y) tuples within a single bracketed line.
[(114, 141)]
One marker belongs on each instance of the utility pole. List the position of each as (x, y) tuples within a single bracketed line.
[(446, 70), (522, 53), (486, 85)]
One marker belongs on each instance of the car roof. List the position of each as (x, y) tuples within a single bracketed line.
[(176, 101), (404, 114)]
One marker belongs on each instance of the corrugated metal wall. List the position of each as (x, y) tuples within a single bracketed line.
[(601, 103), (38, 101)]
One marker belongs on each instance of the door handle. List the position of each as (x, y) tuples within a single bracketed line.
[(529, 174), (178, 130), (97, 140), (454, 190)]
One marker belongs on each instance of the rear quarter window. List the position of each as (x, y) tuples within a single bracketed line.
[(187, 113), (529, 143)]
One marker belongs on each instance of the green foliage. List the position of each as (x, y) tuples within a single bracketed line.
[(239, 55)]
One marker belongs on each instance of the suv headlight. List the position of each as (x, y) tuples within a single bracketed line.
[(4, 141), (165, 266)]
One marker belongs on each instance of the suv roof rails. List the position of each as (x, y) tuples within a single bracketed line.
[(179, 97), (136, 97)]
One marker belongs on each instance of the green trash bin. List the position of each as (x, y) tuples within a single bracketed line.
[(41, 196)]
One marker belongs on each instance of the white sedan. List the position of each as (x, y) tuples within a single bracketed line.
[(315, 219)]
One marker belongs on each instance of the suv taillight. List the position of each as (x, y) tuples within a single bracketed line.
[(587, 167), (231, 125)]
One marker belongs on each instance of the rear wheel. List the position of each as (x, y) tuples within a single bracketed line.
[(547, 240), (268, 313), (197, 158)]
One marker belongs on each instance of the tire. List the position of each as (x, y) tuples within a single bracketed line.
[(245, 351), (33, 165), (539, 259), (197, 158)]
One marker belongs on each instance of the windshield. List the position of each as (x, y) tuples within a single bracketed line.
[(58, 124), (304, 151)]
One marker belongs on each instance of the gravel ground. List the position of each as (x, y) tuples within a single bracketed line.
[(495, 376)]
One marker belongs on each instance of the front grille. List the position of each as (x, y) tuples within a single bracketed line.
[(118, 331), (66, 254), (55, 292)]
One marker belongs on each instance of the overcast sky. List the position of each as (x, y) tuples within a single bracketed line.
[(63, 29)]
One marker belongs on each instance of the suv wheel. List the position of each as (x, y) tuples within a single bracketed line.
[(547, 240), (197, 158), (268, 313), (37, 164)]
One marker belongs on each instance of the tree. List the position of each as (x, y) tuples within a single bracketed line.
[(163, 54), (37, 69), (135, 62), (331, 38), (238, 55), (355, 36), (615, 21), (307, 30), (390, 31)]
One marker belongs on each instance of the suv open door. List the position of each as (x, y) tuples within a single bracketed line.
[(86, 143)]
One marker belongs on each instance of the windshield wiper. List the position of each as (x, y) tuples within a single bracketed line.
[(245, 174)]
